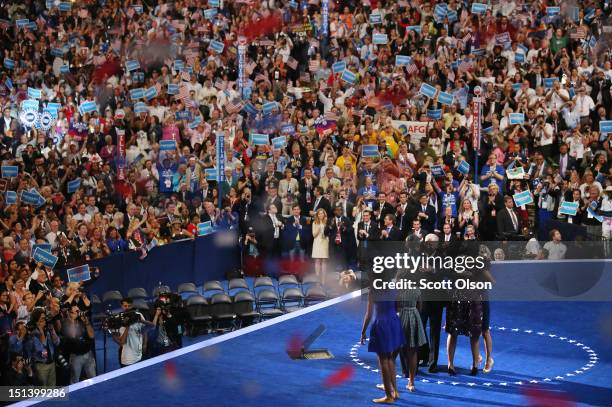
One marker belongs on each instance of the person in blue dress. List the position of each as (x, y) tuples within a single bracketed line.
[(386, 337)]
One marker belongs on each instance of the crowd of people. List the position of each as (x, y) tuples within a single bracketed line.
[(112, 112)]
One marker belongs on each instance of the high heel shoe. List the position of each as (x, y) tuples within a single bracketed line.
[(488, 369), (474, 371), (451, 371)]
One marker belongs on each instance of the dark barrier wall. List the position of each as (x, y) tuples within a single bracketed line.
[(195, 261)]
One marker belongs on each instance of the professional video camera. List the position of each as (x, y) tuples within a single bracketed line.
[(168, 302), (127, 318)]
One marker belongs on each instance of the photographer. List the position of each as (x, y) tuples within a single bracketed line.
[(78, 335), (41, 348), (75, 296), (131, 337), (19, 372), (166, 336)]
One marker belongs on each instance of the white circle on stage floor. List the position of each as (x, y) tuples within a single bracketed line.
[(591, 361)]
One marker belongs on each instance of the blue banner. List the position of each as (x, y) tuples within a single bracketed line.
[(216, 46), (74, 185), (288, 129), (415, 28), (325, 18), (553, 11), (568, 208), (279, 142), (65, 69), (375, 18), (132, 65), (445, 98), (211, 174), (210, 13), (435, 114), (205, 228), (10, 197), (79, 274), (220, 149), (138, 93), (32, 198), (402, 60), (369, 150), (173, 89), (151, 93), (517, 118), (88, 107), (427, 90), (605, 126), (140, 107), (519, 57), (380, 39), (338, 66), (348, 76), (44, 257), (34, 93), (479, 8), (30, 104), (9, 171), (548, 82), (523, 198), (437, 171), (241, 67), (9, 63), (464, 167), (65, 6), (257, 139), (167, 145), (183, 115)]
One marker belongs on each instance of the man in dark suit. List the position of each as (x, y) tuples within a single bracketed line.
[(389, 232), (296, 235), (247, 210), (565, 162), (320, 201), (367, 232), (341, 240), (269, 233), (449, 242), (272, 197), (306, 187), (426, 213), (508, 225), (347, 206), (270, 176), (382, 208), (418, 233), (405, 214)]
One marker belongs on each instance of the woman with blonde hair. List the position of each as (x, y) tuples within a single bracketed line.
[(320, 244)]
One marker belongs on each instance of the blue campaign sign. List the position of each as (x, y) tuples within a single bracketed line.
[(517, 118), (173, 89), (375, 18), (427, 90), (79, 274), (65, 69), (210, 174), (279, 142), (65, 6), (44, 257), (88, 107), (138, 93), (132, 65), (519, 57), (452, 16), (348, 76), (516, 87), (210, 13), (548, 82), (338, 66), (568, 208), (250, 108), (479, 8), (74, 185), (140, 107), (434, 114), (464, 167), (445, 98), (415, 28), (380, 39), (9, 63), (195, 123), (151, 93), (605, 126), (259, 139), (488, 130), (34, 93), (213, 3), (553, 11), (43, 246), (183, 115), (167, 145), (288, 129), (437, 171), (21, 23), (401, 60), (10, 197), (205, 228), (9, 171), (216, 46), (268, 107), (179, 64), (522, 198), (369, 150), (30, 104), (32, 198)]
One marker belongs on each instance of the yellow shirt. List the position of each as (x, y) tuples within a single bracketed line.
[(342, 160)]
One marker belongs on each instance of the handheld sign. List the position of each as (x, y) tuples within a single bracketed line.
[(79, 274), (10, 197), (380, 39), (210, 174), (568, 208), (516, 173), (348, 77), (375, 18), (517, 118), (167, 145), (479, 8), (43, 246), (464, 167), (437, 171), (32, 198), (44, 257), (428, 90), (402, 60), (605, 127), (279, 142), (434, 114), (205, 228), (74, 185), (445, 98), (259, 139), (9, 171), (338, 67), (523, 198), (369, 150), (132, 65)]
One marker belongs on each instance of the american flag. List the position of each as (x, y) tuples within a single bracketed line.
[(234, 106), (579, 34), (313, 65), (466, 38), (331, 115), (464, 66), (430, 61), (412, 69), (219, 84), (185, 76), (250, 67), (183, 94), (292, 63)]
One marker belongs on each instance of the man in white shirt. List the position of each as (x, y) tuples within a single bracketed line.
[(584, 104), (557, 96), (555, 249), (130, 338)]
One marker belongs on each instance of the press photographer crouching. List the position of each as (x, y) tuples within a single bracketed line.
[(127, 329), (78, 338)]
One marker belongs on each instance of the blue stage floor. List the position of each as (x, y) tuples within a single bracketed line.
[(561, 348)]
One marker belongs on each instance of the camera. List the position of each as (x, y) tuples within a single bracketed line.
[(61, 361), (122, 319)]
